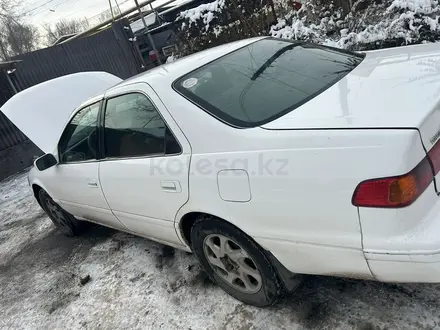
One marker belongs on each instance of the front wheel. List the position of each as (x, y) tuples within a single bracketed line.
[(63, 220), (235, 262)]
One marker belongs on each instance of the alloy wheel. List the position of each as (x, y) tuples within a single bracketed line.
[(57, 213), (232, 263)]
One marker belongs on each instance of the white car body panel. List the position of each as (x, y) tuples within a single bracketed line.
[(145, 193), (305, 199), (392, 76), (51, 103), (405, 82), (379, 121), (86, 201)]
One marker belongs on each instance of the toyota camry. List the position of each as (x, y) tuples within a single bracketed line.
[(266, 158)]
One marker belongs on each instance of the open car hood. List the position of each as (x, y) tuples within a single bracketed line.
[(42, 111)]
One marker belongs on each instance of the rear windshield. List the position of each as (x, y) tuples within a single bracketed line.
[(265, 80)]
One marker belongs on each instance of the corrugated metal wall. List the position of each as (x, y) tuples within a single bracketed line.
[(109, 51), (9, 134), (5, 89)]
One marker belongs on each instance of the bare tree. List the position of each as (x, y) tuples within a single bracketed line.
[(63, 28), (21, 38), (16, 37), (6, 7), (107, 14)]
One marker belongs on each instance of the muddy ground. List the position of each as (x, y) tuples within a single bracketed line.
[(138, 284)]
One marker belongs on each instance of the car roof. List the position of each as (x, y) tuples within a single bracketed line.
[(169, 72)]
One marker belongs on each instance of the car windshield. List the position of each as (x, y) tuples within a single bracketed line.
[(265, 80)]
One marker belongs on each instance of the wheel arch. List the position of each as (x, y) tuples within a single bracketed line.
[(36, 188), (188, 219), (187, 222), (289, 280)]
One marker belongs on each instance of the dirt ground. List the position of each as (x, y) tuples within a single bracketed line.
[(138, 284)]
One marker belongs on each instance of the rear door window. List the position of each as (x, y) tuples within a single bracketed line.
[(265, 80), (133, 127)]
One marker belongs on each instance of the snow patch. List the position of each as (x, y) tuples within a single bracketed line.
[(417, 6), (204, 12), (171, 59), (398, 22)]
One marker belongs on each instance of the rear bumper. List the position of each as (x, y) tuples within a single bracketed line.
[(406, 268), (411, 254)]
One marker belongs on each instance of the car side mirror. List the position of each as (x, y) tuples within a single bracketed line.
[(45, 162)]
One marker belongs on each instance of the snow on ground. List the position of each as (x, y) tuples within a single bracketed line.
[(138, 284)]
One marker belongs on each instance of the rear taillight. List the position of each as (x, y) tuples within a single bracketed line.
[(434, 156), (399, 191), (394, 192)]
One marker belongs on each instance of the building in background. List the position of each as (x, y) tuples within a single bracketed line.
[(162, 26)]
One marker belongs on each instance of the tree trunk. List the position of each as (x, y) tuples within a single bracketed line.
[(344, 4), (3, 51)]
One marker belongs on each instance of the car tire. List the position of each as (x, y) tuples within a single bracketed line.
[(64, 221), (235, 262)]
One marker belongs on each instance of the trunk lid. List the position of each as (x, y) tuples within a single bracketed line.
[(42, 111), (391, 88)]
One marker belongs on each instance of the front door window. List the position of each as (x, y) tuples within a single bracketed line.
[(80, 139)]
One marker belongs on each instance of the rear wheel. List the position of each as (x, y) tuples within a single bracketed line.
[(63, 220), (235, 262)]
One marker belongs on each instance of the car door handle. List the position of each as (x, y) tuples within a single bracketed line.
[(171, 186), (92, 184)]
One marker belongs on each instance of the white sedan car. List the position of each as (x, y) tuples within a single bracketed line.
[(266, 158)]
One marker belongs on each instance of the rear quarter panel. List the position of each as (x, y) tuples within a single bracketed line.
[(301, 186), (302, 213)]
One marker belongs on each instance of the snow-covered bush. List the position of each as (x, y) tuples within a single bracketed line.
[(366, 24), (222, 21), (369, 25)]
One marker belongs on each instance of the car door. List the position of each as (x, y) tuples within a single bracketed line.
[(74, 181), (145, 167)]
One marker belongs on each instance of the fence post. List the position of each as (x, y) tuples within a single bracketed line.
[(14, 89)]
